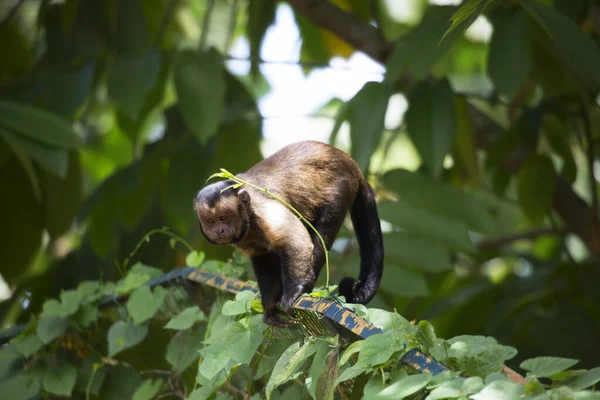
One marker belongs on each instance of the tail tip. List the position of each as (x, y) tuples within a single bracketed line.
[(348, 288)]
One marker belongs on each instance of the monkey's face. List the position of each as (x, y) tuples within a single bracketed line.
[(222, 223)]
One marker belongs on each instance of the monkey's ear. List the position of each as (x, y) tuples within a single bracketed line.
[(243, 195)]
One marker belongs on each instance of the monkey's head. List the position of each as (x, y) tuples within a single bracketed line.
[(223, 217)]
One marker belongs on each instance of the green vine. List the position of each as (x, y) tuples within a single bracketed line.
[(240, 182)]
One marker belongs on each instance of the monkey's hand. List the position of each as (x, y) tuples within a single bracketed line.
[(275, 318)]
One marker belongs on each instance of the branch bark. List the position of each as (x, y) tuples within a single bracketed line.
[(575, 213)]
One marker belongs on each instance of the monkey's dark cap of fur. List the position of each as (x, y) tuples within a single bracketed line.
[(211, 193)]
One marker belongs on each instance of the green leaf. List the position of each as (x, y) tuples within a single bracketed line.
[(121, 382), (62, 197), (350, 350), (123, 335), (457, 387), (148, 390), (242, 341), (431, 227), (211, 365), (417, 52), (183, 349), (27, 345), (241, 304), (143, 303), (194, 258), (127, 86), (352, 372), (186, 318), (52, 159), (586, 380), (60, 381), (38, 125), (464, 148), (577, 51), (91, 375), (431, 122), (200, 86), (326, 382), (479, 355), (317, 365), (547, 366), (509, 59), (403, 282), (466, 15), (504, 390), (378, 349), (554, 131), (536, 182), (261, 14), (49, 328), (70, 301), (86, 315), (24, 385), (404, 387), (288, 364), (366, 117)]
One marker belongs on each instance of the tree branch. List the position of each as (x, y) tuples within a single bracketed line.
[(352, 30), (575, 213)]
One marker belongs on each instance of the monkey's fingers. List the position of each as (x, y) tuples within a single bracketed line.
[(277, 320)]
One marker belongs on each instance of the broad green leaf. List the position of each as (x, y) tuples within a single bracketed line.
[(466, 15), (431, 122), (577, 51), (317, 365), (366, 117), (24, 385), (49, 328), (200, 86), (546, 366), (352, 372), (86, 315), (148, 390), (129, 81), (120, 383), (403, 387), (288, 364), (554, 131), (91, 374), (186, 318), (479, 355), (70, 301), (211, 365), (464, 148), (242, 341), (536, 182), (450, 233), (53, 159), (123, 335), (500, 390), (27, 345), (418, 51), (52, 308), (183, 349), (240, 305), (509, 58), (455, 388), (440, 198), (62, 198), (350, 350), (586, 380), (378, 349), (21, 216), (261, 14), (60, 381), (325, 385), (38, 125), (403, 282), (194, 258), (143, 303)]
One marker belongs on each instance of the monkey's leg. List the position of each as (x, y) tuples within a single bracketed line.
[(297, 272), (267, 268), (328, 225)]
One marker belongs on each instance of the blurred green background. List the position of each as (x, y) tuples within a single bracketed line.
[(481, 147)]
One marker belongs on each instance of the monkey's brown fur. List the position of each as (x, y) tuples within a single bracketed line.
[(323, 183)]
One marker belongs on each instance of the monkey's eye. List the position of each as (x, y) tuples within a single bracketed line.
[(223, 217), (211, 221)]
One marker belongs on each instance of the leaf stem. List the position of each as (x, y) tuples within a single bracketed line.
[(226, 174), (146, 238)]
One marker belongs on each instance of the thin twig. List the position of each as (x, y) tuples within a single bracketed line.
[(206, 23), (11, 13), (165, 22), (587, 131), (505, 240)]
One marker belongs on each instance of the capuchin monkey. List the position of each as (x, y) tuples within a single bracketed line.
[(323, 183)]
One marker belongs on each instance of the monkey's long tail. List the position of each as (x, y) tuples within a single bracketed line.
[(367, 226)]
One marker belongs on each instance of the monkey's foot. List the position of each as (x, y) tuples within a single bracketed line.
[(276, 320)]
